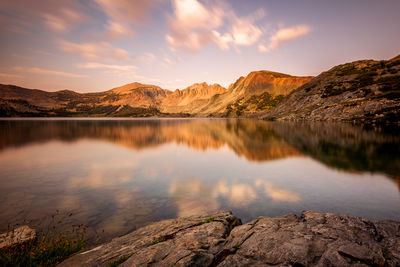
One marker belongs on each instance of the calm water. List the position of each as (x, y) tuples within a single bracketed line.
[(117, 175)]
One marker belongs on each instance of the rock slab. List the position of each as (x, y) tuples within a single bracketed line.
[(219, 239)]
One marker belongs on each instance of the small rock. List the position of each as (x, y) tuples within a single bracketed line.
[(17, 236)]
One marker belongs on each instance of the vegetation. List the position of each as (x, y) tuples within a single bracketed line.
[(256, 103), (346, 69), (156, 241), (389, 83), (237, 246), (119, 260), (48, 249), (365, 78), (208, 220)]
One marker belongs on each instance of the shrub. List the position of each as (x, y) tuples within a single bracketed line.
[(46, 250)]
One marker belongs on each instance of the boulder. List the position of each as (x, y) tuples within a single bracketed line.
[(18, 235)]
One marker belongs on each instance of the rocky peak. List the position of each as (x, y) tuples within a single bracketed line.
[(275, 83), (131, 87)]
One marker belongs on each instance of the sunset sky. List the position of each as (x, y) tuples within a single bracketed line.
[(96, 45)]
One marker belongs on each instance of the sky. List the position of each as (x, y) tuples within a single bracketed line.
[(96, 45)]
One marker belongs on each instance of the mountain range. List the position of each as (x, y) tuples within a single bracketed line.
[(136, 99), (364, 90)]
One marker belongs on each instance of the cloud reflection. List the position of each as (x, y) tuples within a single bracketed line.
[(276, 193)]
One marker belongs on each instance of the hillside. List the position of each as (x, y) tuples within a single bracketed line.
[(191, 98), (259, 91), (365, 90)]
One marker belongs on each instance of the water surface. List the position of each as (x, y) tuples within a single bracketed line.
[(119, 174)]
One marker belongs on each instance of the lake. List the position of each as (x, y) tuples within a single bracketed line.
[(116, 175)]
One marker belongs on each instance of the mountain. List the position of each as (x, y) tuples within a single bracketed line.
[(134, 99), (191, 98), (365, 90), (257, 92)]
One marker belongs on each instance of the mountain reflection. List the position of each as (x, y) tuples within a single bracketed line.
[(254, 140), (341, 146), (345, 146)]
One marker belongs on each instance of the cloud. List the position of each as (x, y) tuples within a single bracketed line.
[(167, 61), (116, 30), (127, 72), (48, 72), (135, 12), (283, 36), (148, 58), (122, 13), (95, 65), (94, 51), (190, 27), (245, 33), (63, 20), (59, 16), (7, 75), (195, 25)]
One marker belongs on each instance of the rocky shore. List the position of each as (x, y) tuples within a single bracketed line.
[(220, 239)]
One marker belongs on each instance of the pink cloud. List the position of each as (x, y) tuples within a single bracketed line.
[(58, 16), (7, 75), (135, 12), (48, 72), (122, 13), (195, 25), (95, 51), (95, 65), (116, 30), (190, 28), (285, 35)]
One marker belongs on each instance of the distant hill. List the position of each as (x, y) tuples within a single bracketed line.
[(259, 91), (365, 90)]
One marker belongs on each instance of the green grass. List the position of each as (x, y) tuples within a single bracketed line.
[(50, 247), (44, 251), (256, 103), (157, 241), (237, 246), (208, 220), (119, 260)]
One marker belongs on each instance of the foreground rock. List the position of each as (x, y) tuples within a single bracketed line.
[(314, 239), (17, 236), (183, 241)]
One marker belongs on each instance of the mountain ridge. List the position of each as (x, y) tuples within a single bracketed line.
[(134, 98), (359, 91)]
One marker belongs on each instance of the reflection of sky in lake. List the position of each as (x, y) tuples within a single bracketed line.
[(113, 186)]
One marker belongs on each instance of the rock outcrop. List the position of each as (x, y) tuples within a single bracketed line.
[(184, 241), (253, 93), (313, 239), (16, 236), (365, 90)]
